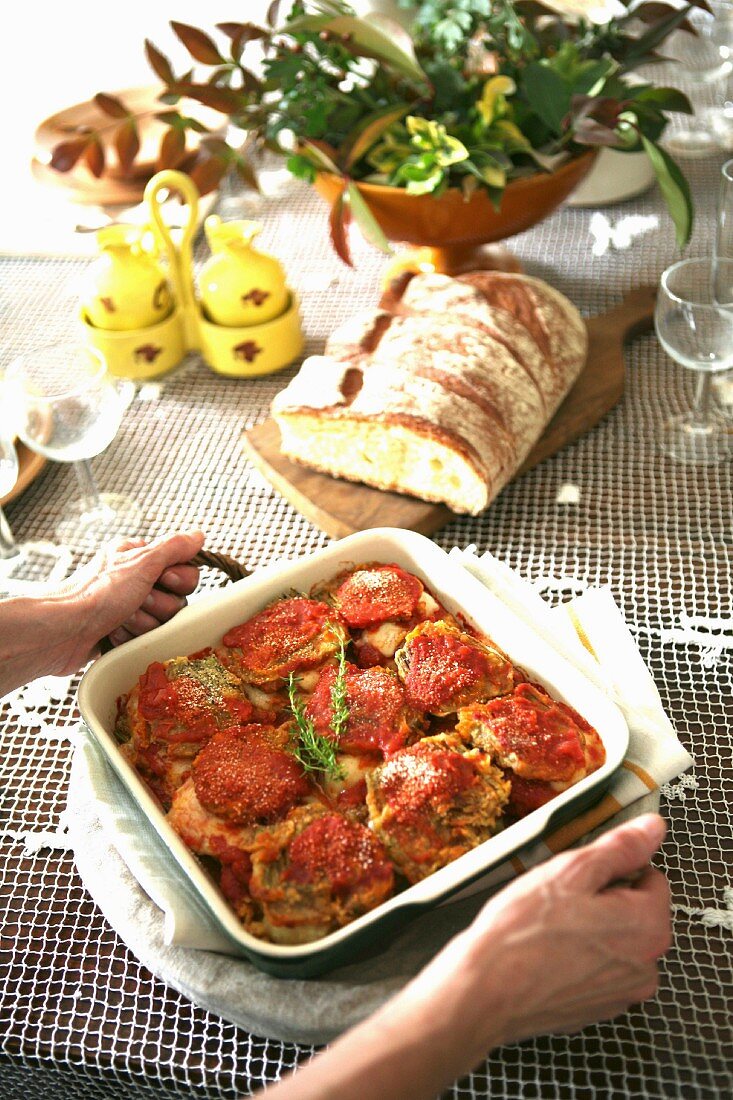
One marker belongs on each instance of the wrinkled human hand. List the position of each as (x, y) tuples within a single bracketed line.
[(129, 567), (127, 589), (570, 943), (130, 588)]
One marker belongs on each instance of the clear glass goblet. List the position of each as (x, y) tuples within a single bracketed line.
[(696, 330), (69, 407), (705, 65), (723, 273), (719, 118), (23, 564)]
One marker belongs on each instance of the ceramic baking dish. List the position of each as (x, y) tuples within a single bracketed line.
[(207, 620)]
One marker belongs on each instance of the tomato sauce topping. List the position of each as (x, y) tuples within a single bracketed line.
[(424, 778), (442, 665), (376, 703), (236, 871), (527, 795), (367, 655), (540, 731), (240, 776), (595, 750), (352, 796), (275, 635), (340, 851), (182, 709), (376, 593)]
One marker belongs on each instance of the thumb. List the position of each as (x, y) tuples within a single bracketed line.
[(621, 852)]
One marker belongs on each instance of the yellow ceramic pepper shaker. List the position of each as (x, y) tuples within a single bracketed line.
[(240, 286), (126, 288)]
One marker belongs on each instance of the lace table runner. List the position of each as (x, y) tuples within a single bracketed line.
[(78, 1014)]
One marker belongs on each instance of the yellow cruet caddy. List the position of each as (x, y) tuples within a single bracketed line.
[(144, 319)]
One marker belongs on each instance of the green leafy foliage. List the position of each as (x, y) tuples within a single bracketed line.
[(339, 702), (479, 93), (675, 189), (314, 752)]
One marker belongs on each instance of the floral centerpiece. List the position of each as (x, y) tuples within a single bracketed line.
[(462, 94)]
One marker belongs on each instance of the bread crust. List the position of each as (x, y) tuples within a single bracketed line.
[(551, 319), (471, 367)]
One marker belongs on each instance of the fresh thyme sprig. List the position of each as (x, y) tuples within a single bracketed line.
[(339, 705), (314, 752)]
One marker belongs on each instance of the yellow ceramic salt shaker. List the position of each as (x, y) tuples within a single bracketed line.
[(240, 286), (126, 287)]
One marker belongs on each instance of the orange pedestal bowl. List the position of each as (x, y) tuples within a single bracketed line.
[(451, 234)]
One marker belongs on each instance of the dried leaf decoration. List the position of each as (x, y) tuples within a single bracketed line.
[(159, 63), (242, 32), (111, 106), (172, 148), (247, 174), (208, 172), (199, 45), (219, 99), (94, 156), (127, 144), (66, 154), (338, 225)]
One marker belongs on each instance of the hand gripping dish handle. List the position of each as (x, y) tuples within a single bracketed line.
[(180, 260), (228, 565)]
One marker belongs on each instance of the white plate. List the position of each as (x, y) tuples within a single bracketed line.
[(204, 624)]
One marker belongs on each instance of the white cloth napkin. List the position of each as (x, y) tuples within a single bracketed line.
[(589, 631)]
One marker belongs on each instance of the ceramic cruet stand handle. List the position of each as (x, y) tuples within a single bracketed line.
[(180, 259)]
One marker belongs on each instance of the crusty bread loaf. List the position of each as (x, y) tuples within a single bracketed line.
[(443, 394)]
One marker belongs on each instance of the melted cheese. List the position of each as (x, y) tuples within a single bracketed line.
[(260, 699), (385, 638), (427, 606)]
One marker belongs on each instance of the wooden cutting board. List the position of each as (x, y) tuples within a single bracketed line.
[(341, 507)]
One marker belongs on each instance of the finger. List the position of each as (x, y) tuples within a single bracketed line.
[(119, 636), (140, 623), (621, 852), (181, 579), (171, 550), (163, 605), (609, 1011), (651, 899), (127, 544)]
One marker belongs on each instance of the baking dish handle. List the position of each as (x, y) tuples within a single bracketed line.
[(233, 568)]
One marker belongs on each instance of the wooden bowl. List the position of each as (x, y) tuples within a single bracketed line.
[(451, 229)]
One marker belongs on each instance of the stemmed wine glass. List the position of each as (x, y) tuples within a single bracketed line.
[(706, 64), (68, 407), (723, 250), (25, 563), (696, 329)]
